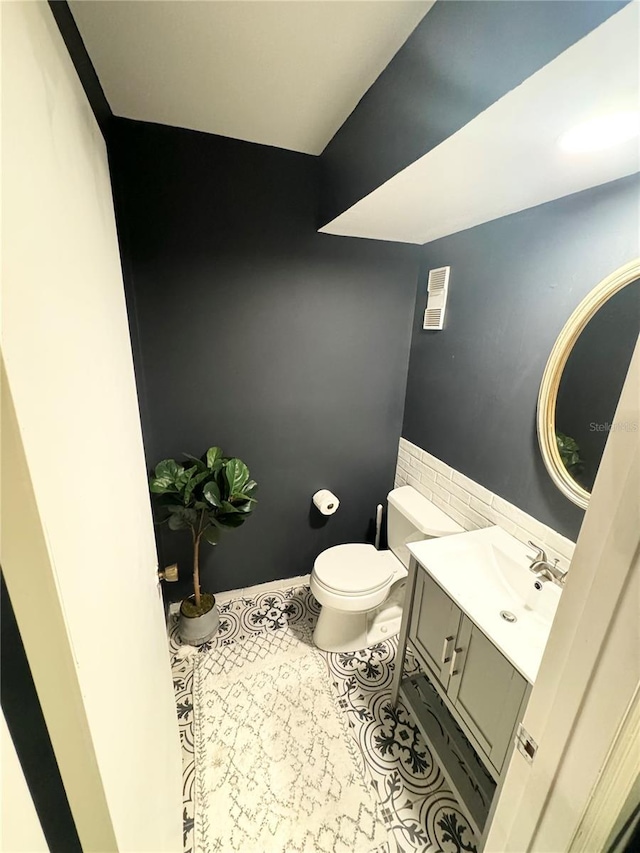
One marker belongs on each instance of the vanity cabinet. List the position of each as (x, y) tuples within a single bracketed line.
[(435, 623), (483, 687), (468, 698), (487, 692)]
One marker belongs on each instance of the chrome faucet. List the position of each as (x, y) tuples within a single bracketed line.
[(543, 569)]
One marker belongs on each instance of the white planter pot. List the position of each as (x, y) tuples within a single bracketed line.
[(196, 630)]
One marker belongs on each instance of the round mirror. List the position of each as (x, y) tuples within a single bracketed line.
[(582, 381)]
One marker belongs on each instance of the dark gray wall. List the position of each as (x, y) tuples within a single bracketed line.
[(472, 388), (82, 63), (460, 59), (286, 347)]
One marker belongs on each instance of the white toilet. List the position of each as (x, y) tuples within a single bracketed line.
[(361, 590)]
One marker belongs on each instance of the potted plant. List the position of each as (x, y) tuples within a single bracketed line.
[(204, 496), (570, 454)]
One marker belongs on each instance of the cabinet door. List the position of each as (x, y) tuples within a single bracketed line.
[(487, 692), (434, 626)]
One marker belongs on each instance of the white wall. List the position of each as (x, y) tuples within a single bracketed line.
[(20, 830), (68, 360)]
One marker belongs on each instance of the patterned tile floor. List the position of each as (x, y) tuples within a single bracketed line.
[(420, 811)]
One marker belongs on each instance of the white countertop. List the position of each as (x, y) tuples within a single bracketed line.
[(487, 571)]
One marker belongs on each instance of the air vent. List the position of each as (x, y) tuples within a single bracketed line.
[(437, 289)]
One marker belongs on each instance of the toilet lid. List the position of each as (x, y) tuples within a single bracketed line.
[(354, 569)]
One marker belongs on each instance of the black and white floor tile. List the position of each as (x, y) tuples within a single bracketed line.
[(420, 811)]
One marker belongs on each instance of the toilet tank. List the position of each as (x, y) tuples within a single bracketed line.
[(411, 517)]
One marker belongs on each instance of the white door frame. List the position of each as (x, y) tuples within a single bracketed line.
[(77, 542), (615, 786), (591, 666), (27, 566)]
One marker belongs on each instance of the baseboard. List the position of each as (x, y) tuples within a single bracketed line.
[(250, 591)]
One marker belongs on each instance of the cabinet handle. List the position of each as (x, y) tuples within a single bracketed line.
[(445, 649), (453, 671)]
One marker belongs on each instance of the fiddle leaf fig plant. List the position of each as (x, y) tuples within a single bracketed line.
[(569, 453), (204, 496)]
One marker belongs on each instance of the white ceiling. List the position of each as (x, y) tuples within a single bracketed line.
[(507, 158), (270, 71)]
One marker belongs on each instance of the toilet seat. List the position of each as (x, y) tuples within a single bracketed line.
[(355, 569)]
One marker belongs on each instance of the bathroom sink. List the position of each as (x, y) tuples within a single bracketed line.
[(486, 572)]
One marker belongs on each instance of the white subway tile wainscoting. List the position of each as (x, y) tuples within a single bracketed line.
[(470, 504)]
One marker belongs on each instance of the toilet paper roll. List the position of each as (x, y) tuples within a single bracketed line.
[(326, 502)]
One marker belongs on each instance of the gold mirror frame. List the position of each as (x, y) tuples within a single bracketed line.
[(550, 384)]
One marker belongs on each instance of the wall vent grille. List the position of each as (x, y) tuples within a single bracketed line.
[(437, 289)]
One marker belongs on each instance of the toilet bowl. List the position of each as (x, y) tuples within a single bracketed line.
[(361, 590)]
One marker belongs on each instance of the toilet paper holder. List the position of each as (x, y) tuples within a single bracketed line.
[(325, 502)]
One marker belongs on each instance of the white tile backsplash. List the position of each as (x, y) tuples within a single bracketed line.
[(454, 489), (470, 504)]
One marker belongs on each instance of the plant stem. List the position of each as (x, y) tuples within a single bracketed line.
[(196, 568)]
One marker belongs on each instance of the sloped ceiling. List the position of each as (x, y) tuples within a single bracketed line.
[(289, 74), (507, 159), (285, 74)]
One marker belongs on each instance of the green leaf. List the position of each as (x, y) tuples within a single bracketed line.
[(213, 455), (228, 507), (187, 515), (177, 522), (250, 487), (193, 482), (165, 476), (569, 453), (169, 469), (242, 497), (211, 534), (200, 465), (231, 520), (212, 494), (183, 478), (160, 485), (236, 474), (175, 508)]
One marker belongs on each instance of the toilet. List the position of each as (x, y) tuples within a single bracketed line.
[(361, 590)]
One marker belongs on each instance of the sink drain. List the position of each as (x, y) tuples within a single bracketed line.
[(508, 616)]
